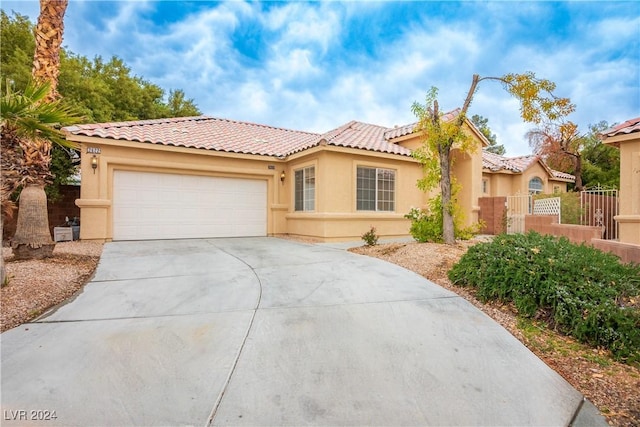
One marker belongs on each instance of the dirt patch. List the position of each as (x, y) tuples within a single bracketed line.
[(36, 285)]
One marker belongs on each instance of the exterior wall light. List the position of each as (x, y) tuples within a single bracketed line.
[(94, 163), (282, 177)]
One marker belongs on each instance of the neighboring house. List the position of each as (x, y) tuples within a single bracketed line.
[(201, 177), (626, 137), (508, 176)]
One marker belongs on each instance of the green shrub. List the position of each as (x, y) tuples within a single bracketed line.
[(370, 237), (570, 209), (581, 291), (426, 224)]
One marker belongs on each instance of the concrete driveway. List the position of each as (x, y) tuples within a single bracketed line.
[(263, 331)]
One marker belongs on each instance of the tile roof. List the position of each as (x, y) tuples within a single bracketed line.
[(399, 131), (495, 163), (364, 136), (630, 126), (202, 132), (562, 175), (239, 137)]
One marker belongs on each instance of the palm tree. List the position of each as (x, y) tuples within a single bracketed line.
[(49, 31), (28, 130), (33, 238)]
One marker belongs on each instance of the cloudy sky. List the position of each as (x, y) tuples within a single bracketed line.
[(316, 65)]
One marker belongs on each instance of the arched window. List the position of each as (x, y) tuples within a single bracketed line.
[(535, 186)]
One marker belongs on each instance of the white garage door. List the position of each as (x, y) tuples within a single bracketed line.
[(167, 206)]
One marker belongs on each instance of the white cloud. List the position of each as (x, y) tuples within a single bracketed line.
[(314, 66), (297, 63), (300, 24), (610, 32)]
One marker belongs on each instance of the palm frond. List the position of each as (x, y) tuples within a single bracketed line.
[(29, 116)]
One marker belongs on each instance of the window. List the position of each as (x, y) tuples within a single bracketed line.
[(375, 189), (485, 186), (305, 189), (535, 186)]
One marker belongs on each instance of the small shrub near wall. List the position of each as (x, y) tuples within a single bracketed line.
[(426, 224), (370, 237), (570, 210), (579, 290)]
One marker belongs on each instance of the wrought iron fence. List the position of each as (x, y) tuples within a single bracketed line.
[(598, 207)]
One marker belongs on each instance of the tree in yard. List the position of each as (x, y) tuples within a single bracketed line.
[(537, 104), (26, 122), (601, 162), (16, 55), (180, 106), (481, 123), (561, 147), (33, 238)]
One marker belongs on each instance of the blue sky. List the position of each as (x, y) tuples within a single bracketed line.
[(316, 65)]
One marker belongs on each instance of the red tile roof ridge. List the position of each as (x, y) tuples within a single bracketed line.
[(131, 123), (563, 175), (334, 133), (148, 122), (629, 126), (403, 130), (518, 164)]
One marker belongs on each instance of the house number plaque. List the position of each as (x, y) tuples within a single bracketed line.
[(93, 150)]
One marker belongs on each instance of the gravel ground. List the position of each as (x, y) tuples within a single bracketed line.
[(36, 285)]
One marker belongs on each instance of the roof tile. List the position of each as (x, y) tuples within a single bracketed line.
[(630, 126), (400, 131), (495, 163), (202, 132), (364, 136), (238, 137)]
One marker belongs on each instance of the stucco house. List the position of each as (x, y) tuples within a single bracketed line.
[(626, 137), (198, 177), (507, 176)]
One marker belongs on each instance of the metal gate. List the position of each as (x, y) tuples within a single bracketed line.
[(598, 207), (517, 207)]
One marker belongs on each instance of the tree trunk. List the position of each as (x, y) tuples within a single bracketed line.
[(33, 238), (448, 231), (49, 31), (578, 173)]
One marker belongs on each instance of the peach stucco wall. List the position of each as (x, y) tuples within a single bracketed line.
[(505, 183), (335, 216), (629, 216), (467, 170), (96, 195)]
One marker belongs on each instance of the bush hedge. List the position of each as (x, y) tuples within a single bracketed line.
[(427, 224), (579, 290)]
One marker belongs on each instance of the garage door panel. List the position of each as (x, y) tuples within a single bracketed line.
[(167, 206)]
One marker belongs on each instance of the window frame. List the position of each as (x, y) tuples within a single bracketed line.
[(534, 191), (306, 204), (378, 203)]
